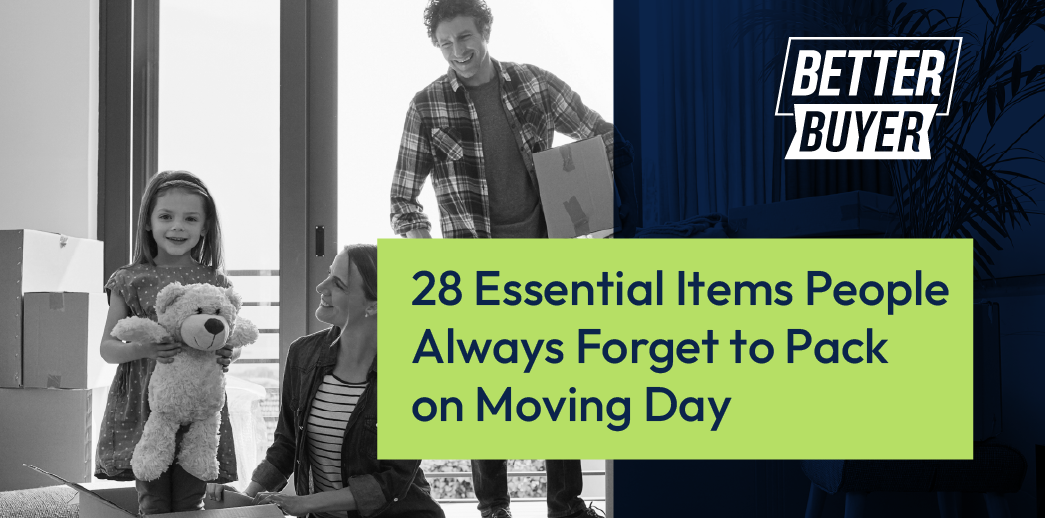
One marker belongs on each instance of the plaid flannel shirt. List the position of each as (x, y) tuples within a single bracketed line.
[(442, 138)]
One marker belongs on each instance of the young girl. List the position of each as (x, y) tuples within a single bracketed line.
[(178, 239)]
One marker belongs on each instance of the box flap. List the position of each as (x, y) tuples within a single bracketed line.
[(54, 262), (257, 511), (83, 492), (233, 499), (235, 505)]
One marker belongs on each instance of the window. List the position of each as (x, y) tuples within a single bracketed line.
[(242, 101)]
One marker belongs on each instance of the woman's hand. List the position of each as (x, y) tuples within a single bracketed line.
[(161, 352), (224, 357), (253, 489), (288, 504)]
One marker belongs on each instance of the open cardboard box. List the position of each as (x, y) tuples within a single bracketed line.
[(122, 502)]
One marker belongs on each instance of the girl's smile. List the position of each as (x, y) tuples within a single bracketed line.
[(177, 222)]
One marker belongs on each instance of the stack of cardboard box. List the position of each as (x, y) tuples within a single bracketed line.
[(53, 382)]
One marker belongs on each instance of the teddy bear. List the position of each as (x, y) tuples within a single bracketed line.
[(191, 389)]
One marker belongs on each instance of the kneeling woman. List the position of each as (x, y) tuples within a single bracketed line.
[(327, 430)]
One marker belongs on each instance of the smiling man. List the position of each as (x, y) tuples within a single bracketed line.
[(475, 130)]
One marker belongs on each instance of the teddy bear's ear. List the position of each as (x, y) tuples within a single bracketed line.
[(234, 298), (168, 295)]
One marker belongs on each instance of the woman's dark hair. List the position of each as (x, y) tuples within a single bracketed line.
[(442, 10), (364, 256), (208, 251)]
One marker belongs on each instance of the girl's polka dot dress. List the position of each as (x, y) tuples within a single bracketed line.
[(127, 407)]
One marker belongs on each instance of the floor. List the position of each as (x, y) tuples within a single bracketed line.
[(519, 509), (456, 510)]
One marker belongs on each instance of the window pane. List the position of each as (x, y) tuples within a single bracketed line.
[(219, 115), (219, 119)]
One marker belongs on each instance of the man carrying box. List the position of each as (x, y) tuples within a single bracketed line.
[(475, 130)]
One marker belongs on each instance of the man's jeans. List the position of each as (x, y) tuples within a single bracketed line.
[(490, 478)]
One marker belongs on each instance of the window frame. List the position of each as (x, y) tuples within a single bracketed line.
[(308, 161), (128, 64)]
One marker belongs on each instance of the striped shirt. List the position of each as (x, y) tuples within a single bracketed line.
[(442, 138), (331, 409)]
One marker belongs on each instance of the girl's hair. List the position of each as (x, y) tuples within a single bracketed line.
[(208, 251), (364, 256)]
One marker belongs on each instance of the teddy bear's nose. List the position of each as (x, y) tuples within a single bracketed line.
[(214, 326)]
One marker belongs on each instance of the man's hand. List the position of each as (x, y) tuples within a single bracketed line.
[(417, 233)]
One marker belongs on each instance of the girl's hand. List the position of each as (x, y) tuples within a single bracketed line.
[(162, 352), (216, 492), (288, 504), (224, 357)]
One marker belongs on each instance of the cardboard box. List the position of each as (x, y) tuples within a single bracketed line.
[(576, 188), (122, 502), (55, 428), (37, 261), (856, 213), (61, 338)]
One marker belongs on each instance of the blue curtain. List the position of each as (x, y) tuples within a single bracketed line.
[(708, 130), (707, 93)]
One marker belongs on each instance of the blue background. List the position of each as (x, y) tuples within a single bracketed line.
[(696, 101)]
